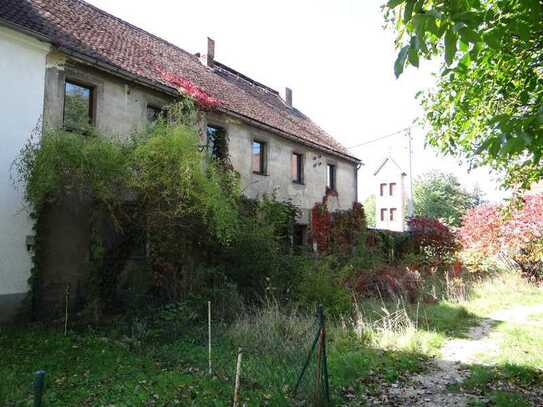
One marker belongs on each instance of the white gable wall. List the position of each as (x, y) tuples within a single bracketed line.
[(22, 76), (390, 173)]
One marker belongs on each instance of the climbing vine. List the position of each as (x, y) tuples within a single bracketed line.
[(159, 174)]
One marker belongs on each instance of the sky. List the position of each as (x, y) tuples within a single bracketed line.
[(337, 58)]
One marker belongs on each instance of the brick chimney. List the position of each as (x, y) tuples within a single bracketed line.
[(208, 58), (287, 96)]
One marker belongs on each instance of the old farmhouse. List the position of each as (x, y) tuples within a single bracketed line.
[(53, 50)]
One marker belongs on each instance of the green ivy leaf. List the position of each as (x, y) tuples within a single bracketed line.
[(413, 55), (394, 3), (450, 46), (408, 12), (400, 61)]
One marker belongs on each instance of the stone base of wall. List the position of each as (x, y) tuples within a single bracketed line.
[(9, 306)]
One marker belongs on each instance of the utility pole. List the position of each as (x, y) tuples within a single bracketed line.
[(410, 209)]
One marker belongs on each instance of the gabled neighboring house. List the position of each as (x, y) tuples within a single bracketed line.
[(390, 196), (121, 73)]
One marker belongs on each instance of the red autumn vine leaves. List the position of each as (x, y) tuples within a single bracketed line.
[(200, 96)]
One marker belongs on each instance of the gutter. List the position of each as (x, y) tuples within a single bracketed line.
[(288, 136), (24, 30), (112, 69)]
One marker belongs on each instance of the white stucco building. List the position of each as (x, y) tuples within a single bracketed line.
[(390, 196), (22, 79)]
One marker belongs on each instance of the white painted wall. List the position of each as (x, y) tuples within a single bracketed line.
[(22, 76), (388, 174)]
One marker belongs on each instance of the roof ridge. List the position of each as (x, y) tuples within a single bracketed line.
[(135, 27)]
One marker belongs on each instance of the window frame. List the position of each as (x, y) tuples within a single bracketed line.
[(331, 177), (158, 111), (299, 177), (263, 161), (392, 213), (92, 101), (210, 147), (384, 212), (392, 188), (382, 188)]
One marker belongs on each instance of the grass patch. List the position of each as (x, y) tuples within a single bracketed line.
[(504, 290)]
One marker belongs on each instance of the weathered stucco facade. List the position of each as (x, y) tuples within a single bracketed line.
[(120, 109), (22, 72)]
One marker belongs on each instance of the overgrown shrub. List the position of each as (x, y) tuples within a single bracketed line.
[(511, 233), (325, 283), (433, 240)]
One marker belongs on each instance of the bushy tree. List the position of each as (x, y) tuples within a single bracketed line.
[(369, 210), (487, 106), (439, 195), (513, 233)]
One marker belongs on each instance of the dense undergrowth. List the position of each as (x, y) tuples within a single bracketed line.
[(148, 362)]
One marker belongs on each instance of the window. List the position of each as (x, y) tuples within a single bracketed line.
[(216, 142), (78, 108), (299, 236), (392, 188), (259, 157), (296, 168), (153, 113), (383, 214), (382, 189), (331, 177), (392, 214)]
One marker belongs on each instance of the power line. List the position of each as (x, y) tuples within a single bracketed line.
[(380, 138)]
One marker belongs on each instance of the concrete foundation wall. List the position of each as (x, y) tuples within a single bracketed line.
[(22, 72)]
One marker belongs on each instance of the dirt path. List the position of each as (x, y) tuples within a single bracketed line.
[(431, 389)]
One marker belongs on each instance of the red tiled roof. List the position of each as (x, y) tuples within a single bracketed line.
[(85, 29)]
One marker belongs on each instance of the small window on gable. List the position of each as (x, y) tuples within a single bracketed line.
[(382, 189), (392, 188), (383, 214), (78, 107), (259, 157), (296, 168), (392, 214), (153, 113), (331, 177), (216, 142)]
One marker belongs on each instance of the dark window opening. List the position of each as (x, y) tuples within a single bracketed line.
[(78, 107), (299, 236), (383, 214), (153, 113), (259, 157), (216, 143), (296, 168), (382, 189), (392, 188), (392, 214), (331, 177)]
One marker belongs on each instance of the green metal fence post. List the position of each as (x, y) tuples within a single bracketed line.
[(38, 384)]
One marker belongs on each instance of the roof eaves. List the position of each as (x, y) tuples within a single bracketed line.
[(289, 136)]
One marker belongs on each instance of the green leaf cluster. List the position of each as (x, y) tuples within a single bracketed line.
[(488, 104), (439, 195)]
